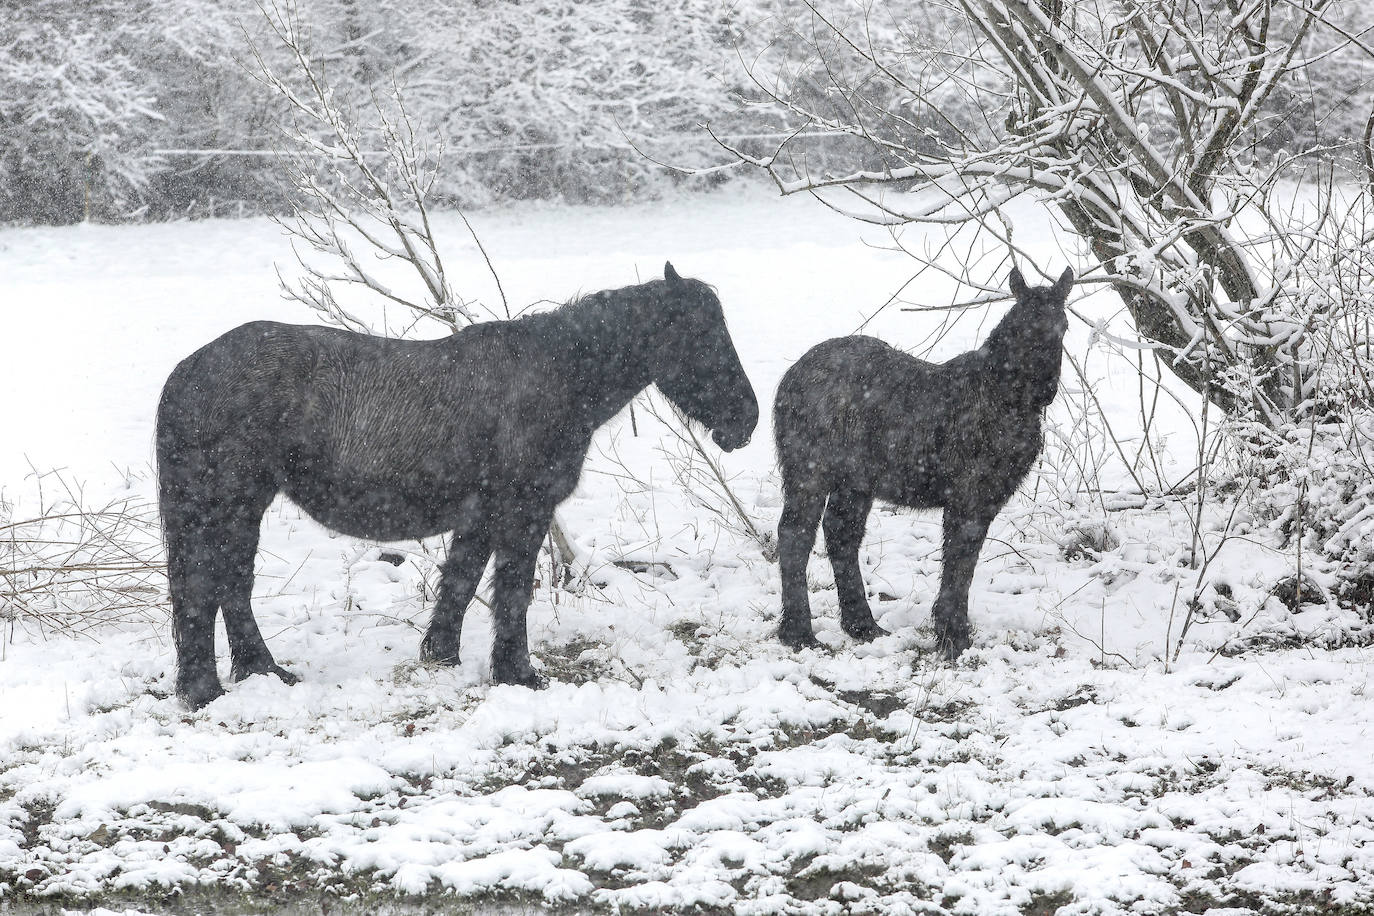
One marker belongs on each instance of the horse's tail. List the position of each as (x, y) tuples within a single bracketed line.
[(790, 416), (179, 460), (207, 403)]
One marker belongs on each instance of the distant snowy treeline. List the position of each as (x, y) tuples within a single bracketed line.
[(146, 108)]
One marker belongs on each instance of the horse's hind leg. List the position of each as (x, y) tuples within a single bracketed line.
[(964, 532), (517, 541), (846, 512), (801, 513), (191, 582), (246, 646), (467, 557)]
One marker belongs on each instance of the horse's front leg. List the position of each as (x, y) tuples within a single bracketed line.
[(462, 570), (964, 531), (516, 535)]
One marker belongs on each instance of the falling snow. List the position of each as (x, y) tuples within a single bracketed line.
[(680, 756)]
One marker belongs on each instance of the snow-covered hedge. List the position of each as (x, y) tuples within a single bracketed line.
[(530, 98)]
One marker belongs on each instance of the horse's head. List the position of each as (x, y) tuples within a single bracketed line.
[(1027, 343), (698, 368), (1041, 308)]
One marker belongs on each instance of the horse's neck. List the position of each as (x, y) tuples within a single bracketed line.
[(606, 349), (1021, 366)]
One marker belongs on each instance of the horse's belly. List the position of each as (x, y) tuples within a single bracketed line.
[(921, 489), (377, 512)]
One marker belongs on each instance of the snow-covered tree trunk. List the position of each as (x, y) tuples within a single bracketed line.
[(1138, 121)]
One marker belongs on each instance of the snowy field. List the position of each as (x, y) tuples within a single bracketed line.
[(680, 758)]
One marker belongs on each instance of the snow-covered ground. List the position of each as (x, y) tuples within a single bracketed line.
[(680, 757)]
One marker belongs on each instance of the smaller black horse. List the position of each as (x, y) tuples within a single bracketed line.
[(482, 433), (856, 420)]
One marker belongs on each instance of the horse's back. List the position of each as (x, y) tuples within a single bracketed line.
[(243, 384), (846, 384), (242, 351), (855, 411), (209, 384)]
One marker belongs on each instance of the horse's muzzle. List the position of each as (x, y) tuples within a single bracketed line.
[(729, 440)]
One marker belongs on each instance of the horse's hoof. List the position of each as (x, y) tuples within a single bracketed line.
[(200, 693), (240, 672), (799, 641), (865, 632), (438, 656), (530, 678)]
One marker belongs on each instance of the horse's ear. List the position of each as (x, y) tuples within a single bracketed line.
[(670, 275), (1016, 283), (1064, 283)]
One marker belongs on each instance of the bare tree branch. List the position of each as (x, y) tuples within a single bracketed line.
[(1130, 120), (346, 195)]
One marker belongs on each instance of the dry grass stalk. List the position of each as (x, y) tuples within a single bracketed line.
[(71, 567), (700, 474)]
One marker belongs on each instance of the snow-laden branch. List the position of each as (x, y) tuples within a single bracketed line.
[(1136, 122)]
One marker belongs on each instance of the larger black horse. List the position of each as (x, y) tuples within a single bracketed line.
[(483, 434), (857, 420)]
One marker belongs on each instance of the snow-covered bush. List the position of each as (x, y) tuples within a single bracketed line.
[(76, 110), (544, 98), (90, 92), (1317, 485), (1315, 475)]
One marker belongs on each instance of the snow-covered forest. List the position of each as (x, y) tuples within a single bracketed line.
[(148, 109), (1164, 706), (115, 110)]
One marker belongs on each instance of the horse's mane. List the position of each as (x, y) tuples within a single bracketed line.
[(592, 315), (612, 300)]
